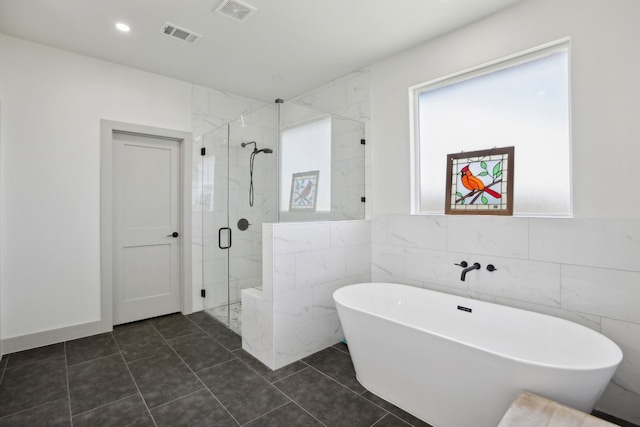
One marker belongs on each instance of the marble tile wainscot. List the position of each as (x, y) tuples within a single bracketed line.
[(294, 315)]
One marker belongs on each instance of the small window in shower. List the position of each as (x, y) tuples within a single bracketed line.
[(304, 148)]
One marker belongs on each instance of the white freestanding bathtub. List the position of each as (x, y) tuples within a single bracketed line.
[(457, 362)]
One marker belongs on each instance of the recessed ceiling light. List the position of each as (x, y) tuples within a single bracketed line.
[(123, 27)]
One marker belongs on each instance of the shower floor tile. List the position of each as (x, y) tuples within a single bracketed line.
[(231, 313)]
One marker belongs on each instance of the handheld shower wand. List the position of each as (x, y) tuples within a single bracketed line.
[(251, 160)]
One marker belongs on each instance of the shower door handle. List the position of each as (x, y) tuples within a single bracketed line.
[(220, 238)]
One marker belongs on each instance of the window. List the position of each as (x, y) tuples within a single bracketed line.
[(521, 102), (305, 148)]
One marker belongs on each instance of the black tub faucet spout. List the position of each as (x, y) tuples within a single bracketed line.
[(475, 266)]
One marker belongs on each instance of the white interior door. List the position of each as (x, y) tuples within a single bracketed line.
[(146, 227)]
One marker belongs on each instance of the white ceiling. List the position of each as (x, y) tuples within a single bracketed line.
[(302, 43)]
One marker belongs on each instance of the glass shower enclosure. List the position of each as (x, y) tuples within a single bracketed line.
[(249, 174)]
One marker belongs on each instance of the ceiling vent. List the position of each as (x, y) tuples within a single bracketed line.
[(180, 33), (236, 10)]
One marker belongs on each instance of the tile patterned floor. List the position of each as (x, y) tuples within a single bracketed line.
[(231, 314), (183, 371)]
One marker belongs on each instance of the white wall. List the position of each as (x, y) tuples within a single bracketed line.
[(52, 105), (586, 269), (1, 345), (604, 84)]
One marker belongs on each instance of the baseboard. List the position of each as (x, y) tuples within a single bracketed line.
[(39, 339)]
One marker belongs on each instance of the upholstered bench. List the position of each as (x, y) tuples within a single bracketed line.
[(531, 410)]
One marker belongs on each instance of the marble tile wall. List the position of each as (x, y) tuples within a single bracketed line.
[(212, 108), (211, 111), (305, 263), (583, 270), (347, 168), (348, 97)]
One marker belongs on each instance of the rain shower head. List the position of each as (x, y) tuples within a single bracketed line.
[(265, 150)]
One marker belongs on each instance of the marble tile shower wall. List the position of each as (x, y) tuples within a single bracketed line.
[(212, 109), (349, 97), (245, 254), (295, 316), (347, 169), (586, 271)]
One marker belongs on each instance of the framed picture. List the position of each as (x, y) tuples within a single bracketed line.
[(480, 182), (304, 191)]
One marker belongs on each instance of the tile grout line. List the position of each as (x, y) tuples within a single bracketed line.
[(28, 409), (66, 371), (267, 413), (193, 372), (340, 350), (4, 369), (265, 378), (107, 404), (354, 392), (312, 416), (307, 365), (273, 384), (134, 380), (93, 360), (392, 415), (180, 397), (343, 385), (214, 338), (282, 406), (31, 363), (197, 325), (297, 404), (389, 412)]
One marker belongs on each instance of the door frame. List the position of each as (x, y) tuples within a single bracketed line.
[(107, 128)]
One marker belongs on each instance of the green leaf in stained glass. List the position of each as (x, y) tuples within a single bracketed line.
[(497, 169), (499, 173), (458, 194), (483, 165), (485, 201), (485, 173)]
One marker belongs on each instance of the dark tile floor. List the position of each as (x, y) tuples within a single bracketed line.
[(183, 371)]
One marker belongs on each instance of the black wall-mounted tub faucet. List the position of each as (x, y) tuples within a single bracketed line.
[(475, 266)]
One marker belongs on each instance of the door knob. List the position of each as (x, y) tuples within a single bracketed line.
[(174, 234)]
